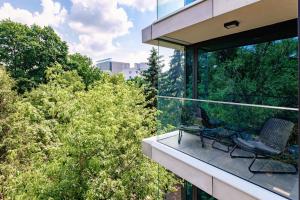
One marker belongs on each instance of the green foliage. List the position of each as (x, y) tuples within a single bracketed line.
[(84, 67), (7, 95), (66, 142), (261, 74), (151, 77), (137, 81), (7, 100), (171, 82), (28, 51)]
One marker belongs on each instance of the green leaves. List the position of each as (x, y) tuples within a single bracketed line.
[(67, 142), (151, 77), (75, 133), (28, 51), (84, 67)]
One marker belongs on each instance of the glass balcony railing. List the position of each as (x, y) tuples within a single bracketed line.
[(166, 7), (209, 131), (243, 96)]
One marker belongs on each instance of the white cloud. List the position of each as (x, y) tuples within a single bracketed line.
[(93, 45), (98, 23), (90, 26), (94, 16), (52, 14), (141, 5), (135, 57)]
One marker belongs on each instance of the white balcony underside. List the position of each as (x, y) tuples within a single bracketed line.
[(182, 161), (205, 20)]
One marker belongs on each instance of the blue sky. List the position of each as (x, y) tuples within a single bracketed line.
[(97, 28)]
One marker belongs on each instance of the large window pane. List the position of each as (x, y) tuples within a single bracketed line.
[(166, 7), (189, 79), (264, 73), (171, 78)]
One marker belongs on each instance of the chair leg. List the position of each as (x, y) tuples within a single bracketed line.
[(202, 140), (235, 156), (179, 136), (270, 172), (215, 147)]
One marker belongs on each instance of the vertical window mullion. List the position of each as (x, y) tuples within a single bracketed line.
[(195, 73)]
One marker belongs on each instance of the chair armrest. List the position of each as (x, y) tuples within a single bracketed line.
[(247, 136), (216, 123)]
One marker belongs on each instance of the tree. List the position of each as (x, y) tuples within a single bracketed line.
[(84, 67), (172, 81), (151, 77), (7, 99), (27, 51), (7, 95), (66, 142), (137, 81), (263, 74)]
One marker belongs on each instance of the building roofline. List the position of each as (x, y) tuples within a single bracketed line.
[(104, 60)]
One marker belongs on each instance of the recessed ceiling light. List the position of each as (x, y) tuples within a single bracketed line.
[(232, 24)]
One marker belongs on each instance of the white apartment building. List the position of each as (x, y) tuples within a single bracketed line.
[(114, 67)]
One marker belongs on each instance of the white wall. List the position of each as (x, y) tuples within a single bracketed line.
[(124, 68)]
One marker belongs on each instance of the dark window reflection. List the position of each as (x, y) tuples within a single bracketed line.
[(264, 73), (189, 73)]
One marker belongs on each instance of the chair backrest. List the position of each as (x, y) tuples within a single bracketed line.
[(201, 113), (276, 132), (192, 114)]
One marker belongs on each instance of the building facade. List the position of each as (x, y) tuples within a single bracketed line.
[(113, 67), (229, 99)]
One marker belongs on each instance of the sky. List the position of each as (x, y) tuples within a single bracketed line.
[(97, 28)]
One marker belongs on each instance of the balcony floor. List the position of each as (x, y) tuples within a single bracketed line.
[(283, 184)]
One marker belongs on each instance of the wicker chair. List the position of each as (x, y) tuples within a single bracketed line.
[(271, 142)]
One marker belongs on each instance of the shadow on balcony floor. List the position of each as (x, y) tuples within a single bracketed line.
[(283, 184)]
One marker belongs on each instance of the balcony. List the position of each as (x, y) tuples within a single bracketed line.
[(223, 94), (243, 119)]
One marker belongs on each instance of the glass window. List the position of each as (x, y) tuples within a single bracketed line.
[(189, 73), (186, 2), (264, 74), (171, 78), (243, 85), (166, 7)]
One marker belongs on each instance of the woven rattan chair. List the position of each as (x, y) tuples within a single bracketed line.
[(271, 142)]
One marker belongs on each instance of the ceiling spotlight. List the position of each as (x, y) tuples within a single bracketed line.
[(232, 24)]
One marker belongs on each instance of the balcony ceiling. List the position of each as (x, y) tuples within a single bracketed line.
[(206, 19)]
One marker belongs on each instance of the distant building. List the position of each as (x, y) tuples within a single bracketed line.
[(113, 67), (141, 66), (135, 71), (108, 65)]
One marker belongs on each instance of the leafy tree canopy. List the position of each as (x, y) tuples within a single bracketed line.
[(84, 67), (65, 142), (28, 51)]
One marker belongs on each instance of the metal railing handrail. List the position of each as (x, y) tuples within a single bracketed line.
[(230, 103)]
